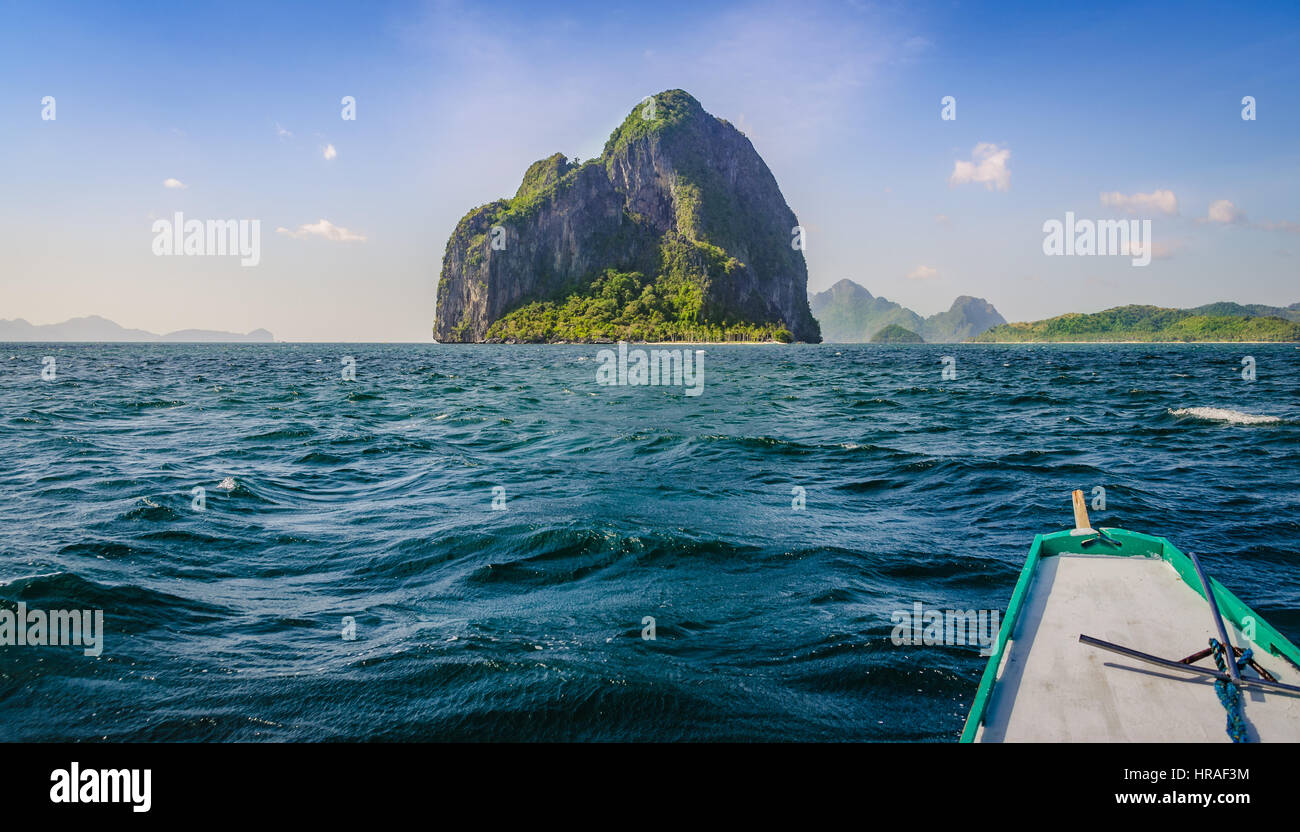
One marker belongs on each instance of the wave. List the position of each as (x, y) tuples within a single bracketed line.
[(131, 607), (1223, 414)]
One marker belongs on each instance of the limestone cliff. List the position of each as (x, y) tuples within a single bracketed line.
[(677, 231)]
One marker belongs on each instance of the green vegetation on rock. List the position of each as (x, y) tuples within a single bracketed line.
[(629, 306), (1257, 310), (543, 175), (667, 110), (1145, 323), (895, 334)]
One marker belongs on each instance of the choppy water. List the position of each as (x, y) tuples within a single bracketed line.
[(373, 498)]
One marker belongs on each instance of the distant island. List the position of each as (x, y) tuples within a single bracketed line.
[(1212, 322), (95, 328), (677, 232), (895, 334), (849, 314)]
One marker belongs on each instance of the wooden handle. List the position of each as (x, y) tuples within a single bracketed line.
[(1080, 510)]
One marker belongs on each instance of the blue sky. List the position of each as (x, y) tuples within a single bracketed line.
[(239, 103)]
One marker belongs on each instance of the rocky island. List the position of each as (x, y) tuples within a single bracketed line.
[(895, 334), (849, 314), (677, 232), (1214, 322)]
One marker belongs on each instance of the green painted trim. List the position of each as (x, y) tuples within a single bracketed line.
[(1133, 544), (1232, 607), (985, 689)]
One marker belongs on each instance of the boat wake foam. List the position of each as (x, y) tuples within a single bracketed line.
[(1222, 414)]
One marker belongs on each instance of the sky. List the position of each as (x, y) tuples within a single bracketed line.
[(234, 111)]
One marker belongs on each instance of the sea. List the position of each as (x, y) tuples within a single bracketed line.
[(344, 542)]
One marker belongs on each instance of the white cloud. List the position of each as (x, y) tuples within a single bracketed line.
[(1162, 202), (174, 183), (987, 167), (281, 132), (1164, 251), (1225, 212), (330, 152), (1284, 225), (325, 230), (922, 273)]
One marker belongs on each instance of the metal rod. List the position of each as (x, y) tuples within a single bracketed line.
[(1254, 664), (1202, 653), (1185, 668), (1218, 619), (1261, 671)]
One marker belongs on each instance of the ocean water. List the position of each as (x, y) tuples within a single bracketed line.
[(373, 499)]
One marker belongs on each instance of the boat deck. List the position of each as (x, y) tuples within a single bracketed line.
[(1051, 688)]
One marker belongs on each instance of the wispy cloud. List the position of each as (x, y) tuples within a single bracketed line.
[(1164, 251), (987, 167), (1223, 211), (923, 273), (281, 132), (1156, 202), (325, 230), (174, 183)]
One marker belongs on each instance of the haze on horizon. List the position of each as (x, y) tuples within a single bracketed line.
[(233, 111)]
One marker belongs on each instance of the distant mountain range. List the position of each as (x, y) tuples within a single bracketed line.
[(849, 314), (95, 328), (1212, 322)]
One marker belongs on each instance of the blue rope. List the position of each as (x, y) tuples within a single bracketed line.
[(1229, 694)]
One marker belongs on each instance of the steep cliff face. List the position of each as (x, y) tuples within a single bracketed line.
[(678, 230)]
